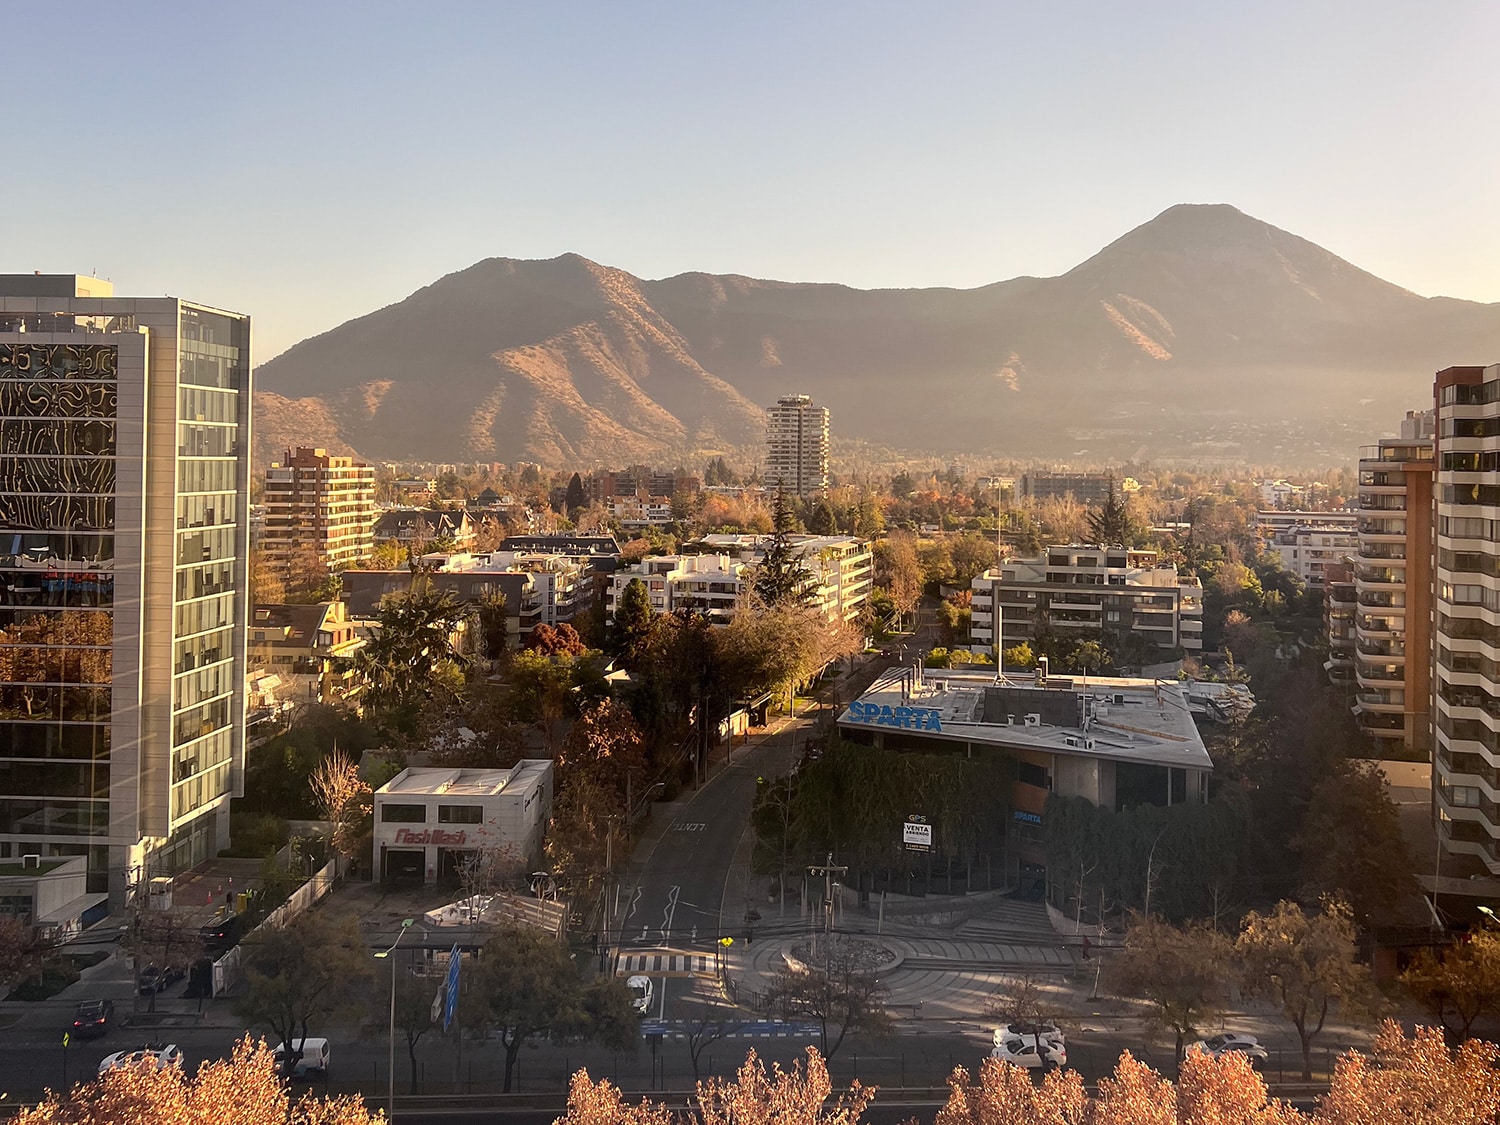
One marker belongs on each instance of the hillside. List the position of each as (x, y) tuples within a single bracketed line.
[(1203, 333)]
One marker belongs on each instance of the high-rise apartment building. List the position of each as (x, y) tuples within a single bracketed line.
[(319, 503), (124, 484), (1392, 614), (797, 446), (1466, 642)]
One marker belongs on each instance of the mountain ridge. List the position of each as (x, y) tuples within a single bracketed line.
[(1191, 330)]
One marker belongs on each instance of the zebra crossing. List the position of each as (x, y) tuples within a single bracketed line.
[(665, 963)]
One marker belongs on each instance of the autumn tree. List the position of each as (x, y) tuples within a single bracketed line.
[(1416, 1080), (23, 951), (314, 968), (1007, 1095), (241, 1090), (898, 572), (1184, 973), (840, 995), (169, 939), (1459, 985), (1308, 965), (346, 801), (594, 768), (563, 640)]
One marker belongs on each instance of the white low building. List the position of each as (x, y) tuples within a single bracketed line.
[(432, 823)]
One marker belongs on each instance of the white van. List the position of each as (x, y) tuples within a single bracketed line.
[(312, 1061), (640, 993)]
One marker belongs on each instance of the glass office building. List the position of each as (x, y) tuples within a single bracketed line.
[(124, 483)]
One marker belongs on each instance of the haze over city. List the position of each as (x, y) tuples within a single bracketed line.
[(314, 162)]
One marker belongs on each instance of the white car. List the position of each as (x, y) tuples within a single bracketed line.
[(312, 1057), (641, 993), (1023, 1052), (1049, 1032), (162, 1054), (1229, 1043)]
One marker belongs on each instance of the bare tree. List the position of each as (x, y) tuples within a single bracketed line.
[(168, 939), (346, 801), (840, 996), (713, 1023)]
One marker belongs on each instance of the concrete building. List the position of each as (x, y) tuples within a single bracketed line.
[(1466, 638), (51, 895), (1393, 587), (797, 446), (1309, 549), (124, 503), (708, 584), (306, 647), (1091, 489), (840, 568), (430, 824), (317, 502), (1117, 743), (1339, 602), (1115, 592), (1268, 523)]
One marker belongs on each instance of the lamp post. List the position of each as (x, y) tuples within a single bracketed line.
[(391, 1037)]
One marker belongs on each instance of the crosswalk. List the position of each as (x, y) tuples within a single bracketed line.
[(665, 963), (750, 1029)]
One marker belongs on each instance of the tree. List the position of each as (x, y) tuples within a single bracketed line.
[(709, 1026), (1112, 525), (313, 968), (409, 658), (780, 576), (840, 996), (414, 997), (492, 616), (529, 988), (898, 572), (972, 555), (822, 521), (345, 800), (22, 952), (1184, 973), (241, 1090), (1007, 1095), (1460, 985), (1415, 1080), (168, 939), (633, 622), (575, 498), (266, 585), (1351, 844), (1307, 965), (1019, 656), (1023, 1002)]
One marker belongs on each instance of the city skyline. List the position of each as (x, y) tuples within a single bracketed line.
[(363, 157)]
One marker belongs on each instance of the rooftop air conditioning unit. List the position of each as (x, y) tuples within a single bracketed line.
[(1032, 720), (1119, 699)]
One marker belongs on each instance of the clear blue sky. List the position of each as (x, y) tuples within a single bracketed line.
[(309, 162)]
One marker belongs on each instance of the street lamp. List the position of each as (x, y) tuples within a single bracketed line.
[(1488, 913), (391, 1040)]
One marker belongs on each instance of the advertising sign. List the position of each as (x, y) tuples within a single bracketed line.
[(916, 834)]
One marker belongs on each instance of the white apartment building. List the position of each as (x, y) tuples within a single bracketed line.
[(1466, 609), (840, 568), (707, 584), (1114, 591), (797, 446), (124, 505), (1267, 523), (1308, 550)]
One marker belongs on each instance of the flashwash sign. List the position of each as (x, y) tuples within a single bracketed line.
[(916, 834), (884, 715)]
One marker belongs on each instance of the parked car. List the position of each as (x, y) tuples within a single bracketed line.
[(1024, 1052), (155, 979), (163, 1054), (1231, 1042), (222, 935), (641, 993), (311, 1057), (93, 1018)]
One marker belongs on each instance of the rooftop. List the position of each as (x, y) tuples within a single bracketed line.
[(1130, 720), (435, 781)]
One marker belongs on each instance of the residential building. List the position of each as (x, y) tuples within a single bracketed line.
[(416, 529), (1393, 587), (1308, 550), (1117, 743), (840, 568), (1339, 603), (431, 823), (1268, 523), (1113, 592), (1090, 489), (797, 446), (123, 544), (307, 646), (315, 502), (708, 584), (1466, 640)]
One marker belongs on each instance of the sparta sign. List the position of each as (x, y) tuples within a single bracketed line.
[(908, 718)]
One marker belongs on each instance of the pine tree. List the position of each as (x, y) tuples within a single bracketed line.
[(781, 578), (1112, 525)]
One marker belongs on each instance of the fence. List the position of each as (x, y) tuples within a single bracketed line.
[(227, 968)]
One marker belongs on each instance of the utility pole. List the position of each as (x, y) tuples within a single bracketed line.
[(828, 871)]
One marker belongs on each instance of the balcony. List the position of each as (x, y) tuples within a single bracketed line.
[(1380, 578), (1382, 503), (1387, 676), (1376, 651), (1380, 724)]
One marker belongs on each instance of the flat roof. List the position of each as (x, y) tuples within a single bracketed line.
[(434, 781), (1118, 719)]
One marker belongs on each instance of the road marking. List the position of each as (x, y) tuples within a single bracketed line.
[(686, 826), (669, 912)]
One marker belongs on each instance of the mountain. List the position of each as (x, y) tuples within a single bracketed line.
[(1203, 333)]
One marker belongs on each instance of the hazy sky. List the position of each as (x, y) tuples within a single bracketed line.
[(309, 162)]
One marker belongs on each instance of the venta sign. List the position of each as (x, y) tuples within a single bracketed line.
[(884, 715), (431, 836)]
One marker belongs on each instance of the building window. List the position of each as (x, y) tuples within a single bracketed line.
[(403, 814), (460, 814), (1029, 774)]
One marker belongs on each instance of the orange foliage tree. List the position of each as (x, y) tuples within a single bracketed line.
[(241, 1090)]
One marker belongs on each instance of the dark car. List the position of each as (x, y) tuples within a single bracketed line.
[(93, 1018), (223, 935), (155, 979)]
